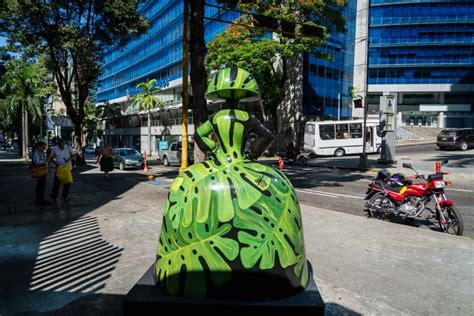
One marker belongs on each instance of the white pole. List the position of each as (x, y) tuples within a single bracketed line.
[(149, 132), (339, 106)]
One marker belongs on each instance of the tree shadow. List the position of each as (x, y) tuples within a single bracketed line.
[(51, 256)]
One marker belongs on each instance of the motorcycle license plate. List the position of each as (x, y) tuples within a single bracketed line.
[(403, 189)]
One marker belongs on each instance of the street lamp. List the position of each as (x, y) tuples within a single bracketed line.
[(363, 156)]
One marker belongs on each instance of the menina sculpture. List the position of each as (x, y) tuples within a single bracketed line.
[(231, 226)]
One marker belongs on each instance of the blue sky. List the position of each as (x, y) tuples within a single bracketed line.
[(2, 41)]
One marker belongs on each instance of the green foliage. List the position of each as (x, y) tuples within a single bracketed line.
[(23, 84), (247, 47), (146, 99), (73, 35)]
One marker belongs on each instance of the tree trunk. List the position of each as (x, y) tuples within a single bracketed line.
[(291, 122), (149, 133), (26, 138), (19, 129), (198, 69)]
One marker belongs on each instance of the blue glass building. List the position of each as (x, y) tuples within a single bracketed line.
[(328, 82), (157, 54), (423, 51)]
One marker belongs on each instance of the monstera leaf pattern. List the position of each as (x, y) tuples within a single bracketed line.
[(225, 213), (187, 249)]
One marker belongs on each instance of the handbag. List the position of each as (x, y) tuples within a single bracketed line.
[(64, 174), (39, 171)]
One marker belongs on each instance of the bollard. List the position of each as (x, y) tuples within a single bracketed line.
[(146, 165), (280, 163), (437, 167)]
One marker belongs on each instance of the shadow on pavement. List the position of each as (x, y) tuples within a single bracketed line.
[(53, 255)]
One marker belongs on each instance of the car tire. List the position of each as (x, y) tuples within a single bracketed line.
[(339, 152), (463, 146), (166, 162), (121, 166)]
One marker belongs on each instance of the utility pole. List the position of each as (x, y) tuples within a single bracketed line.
[(363, 156), (184, 113)]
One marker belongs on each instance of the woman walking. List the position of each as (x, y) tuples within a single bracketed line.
[(40, 171), (106, 161)]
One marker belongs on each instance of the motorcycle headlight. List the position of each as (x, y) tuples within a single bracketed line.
[(439, 184)]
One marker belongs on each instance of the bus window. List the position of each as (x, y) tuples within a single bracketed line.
[(310, 129), (342, 131), (326, 131), (355, 130)]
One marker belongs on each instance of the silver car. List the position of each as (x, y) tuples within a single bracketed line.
[(172, 155)]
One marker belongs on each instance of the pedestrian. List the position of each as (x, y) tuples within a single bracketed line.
[(39, 164), (61, 154), (106, 161)]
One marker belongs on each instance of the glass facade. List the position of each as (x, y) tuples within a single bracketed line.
[(421, 42), (327, 82), (157, 53)]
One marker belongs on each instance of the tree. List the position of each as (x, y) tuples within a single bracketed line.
[(198, 70), (24, 87), (297, 23), (73, 35), (146, 100), (107, 111)]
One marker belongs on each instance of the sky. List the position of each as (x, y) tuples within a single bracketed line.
[(2, 41)]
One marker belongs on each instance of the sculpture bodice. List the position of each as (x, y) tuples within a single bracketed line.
[(231, 226)]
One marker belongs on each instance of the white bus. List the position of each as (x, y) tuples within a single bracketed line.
[(338, 138)]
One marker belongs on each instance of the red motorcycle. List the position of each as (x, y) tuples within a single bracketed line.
[(395, 195)]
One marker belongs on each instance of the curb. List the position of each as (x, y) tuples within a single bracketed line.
[(373, 169), (415, 144)]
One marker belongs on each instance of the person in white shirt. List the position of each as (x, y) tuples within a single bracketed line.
[(38, 158), (60, 155)]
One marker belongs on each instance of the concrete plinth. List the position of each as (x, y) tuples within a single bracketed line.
[(146, 298)]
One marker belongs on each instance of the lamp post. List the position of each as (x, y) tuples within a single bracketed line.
[(363, 156)]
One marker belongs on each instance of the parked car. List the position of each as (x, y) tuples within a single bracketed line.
[(89, 150), (461, 138), (172, 155), (127, 158)]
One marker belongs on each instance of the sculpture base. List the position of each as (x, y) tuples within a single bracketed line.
[(146, 298)]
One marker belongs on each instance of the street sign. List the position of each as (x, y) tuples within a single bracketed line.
[(387, 113)]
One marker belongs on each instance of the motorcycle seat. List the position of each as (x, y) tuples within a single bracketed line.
[(394, 188)]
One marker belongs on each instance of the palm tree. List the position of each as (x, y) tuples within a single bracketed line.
[(24, 87), (146, 100), (108, 111)]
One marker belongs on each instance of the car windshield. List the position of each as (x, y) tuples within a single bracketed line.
[(447, 133), (128, 152)]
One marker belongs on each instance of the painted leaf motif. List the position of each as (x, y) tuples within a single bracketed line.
[(275, 222), (205, 189), (191, 250)]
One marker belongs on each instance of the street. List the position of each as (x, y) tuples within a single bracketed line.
[(344, 190)]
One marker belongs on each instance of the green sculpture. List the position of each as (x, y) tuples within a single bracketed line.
[(231, 226)]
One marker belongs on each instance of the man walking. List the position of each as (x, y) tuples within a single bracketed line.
[(61, 154)]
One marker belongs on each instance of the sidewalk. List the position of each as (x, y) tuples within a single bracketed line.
[(84, 256)]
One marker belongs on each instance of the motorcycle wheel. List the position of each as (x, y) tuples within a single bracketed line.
[(454, 224), (380, 200)]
